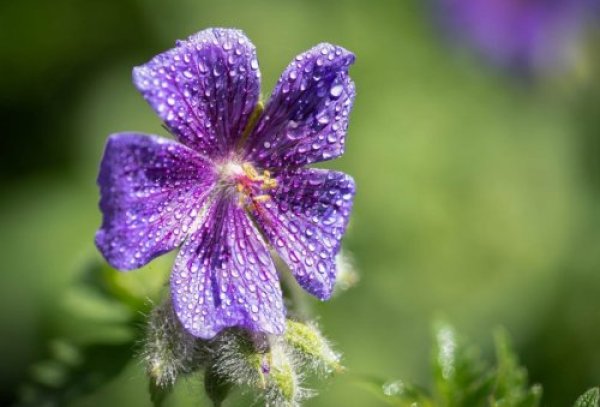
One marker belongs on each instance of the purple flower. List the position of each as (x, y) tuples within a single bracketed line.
[(523, 34), (234, 184)]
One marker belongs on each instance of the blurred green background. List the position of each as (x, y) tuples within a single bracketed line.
[(478, 192)]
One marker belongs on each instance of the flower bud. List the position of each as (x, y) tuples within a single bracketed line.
[(169, 350), (265, 364), (310, 347), (239, 357), (283, 384)]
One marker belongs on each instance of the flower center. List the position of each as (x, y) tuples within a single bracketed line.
[(247, 182)]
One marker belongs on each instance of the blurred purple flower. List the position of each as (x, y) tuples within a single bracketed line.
[(526, 35), (234, 181)]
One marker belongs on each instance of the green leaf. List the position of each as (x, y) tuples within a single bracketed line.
[(461, 377), (589, 399), (510, 385), (128, 289)]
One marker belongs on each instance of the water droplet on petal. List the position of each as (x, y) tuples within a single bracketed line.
[(336, 90), (323, 119)]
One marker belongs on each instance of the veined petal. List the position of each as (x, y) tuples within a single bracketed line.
[(204, 89), (151, 192), (224, 276), (305, 221), (306, 119)]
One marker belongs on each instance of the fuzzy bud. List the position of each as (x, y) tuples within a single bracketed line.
[(266, 364), (310, 347), (168, 349), (239, 357), (283, 382)]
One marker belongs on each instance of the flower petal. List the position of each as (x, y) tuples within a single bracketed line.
[(306, 118), (151, 191), (305, 221), (224, 276), (204, 89)]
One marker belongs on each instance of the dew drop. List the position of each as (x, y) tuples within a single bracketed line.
[(323, 119), (336, 90)]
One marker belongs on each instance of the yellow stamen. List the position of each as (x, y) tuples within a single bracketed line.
[(250, 182), (268, 184), (251, 173), (265, 179), (261, 198)]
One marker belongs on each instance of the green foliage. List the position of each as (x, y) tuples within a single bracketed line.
[(56, 381), (80, 365), (510, 386), (463, 379), (590, 398)]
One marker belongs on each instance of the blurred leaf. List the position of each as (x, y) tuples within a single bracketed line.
[(56, 382), (510, 387), (82, 364), (461, 378), (130, 289), (589, 399)]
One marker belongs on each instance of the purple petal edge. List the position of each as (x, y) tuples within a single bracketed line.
[(224, 276), (151, 190), (305, 221), (204, 89), (306, 118)]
